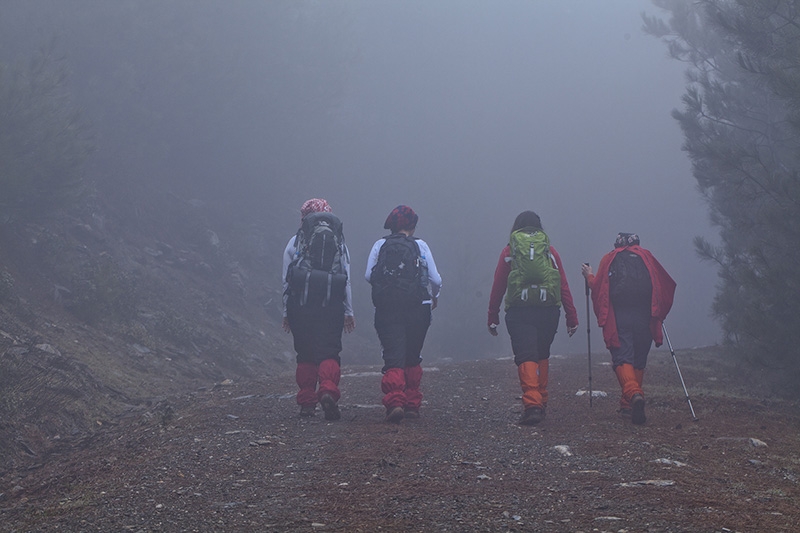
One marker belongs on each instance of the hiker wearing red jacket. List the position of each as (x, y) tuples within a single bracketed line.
[(631, 296), (530, 275)]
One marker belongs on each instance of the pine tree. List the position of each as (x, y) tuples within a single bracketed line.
[(43, 140), (741, 124)]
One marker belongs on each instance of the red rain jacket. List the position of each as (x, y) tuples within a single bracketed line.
[(661, 303)]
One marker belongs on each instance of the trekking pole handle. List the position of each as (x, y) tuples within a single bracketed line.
[(586, 282)]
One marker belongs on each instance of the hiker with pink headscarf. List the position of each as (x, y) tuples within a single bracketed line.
[(317, 305)]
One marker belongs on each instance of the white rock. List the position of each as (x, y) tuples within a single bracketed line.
[(563, 450), (670, 462), (595, 393), (651, 482), (48, 348)]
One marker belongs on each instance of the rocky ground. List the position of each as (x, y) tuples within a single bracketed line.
[(236, 457)]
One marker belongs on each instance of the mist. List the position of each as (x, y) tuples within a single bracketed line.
[(469, 112)]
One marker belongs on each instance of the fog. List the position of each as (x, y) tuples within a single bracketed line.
[(469, 112)]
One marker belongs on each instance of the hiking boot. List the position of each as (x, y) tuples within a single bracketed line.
[(637, 409), (307, 410), (330, 408), (625, 412), (394, 414), (410, 412), (531, 416)]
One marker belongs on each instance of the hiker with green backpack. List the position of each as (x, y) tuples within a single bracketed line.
[(530, 275)]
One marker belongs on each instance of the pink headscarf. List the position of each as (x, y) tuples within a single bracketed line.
[(315, 205)]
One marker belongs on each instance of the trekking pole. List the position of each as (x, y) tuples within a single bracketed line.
[(588, 336), (666, 336)]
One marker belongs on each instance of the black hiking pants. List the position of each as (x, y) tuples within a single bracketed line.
[(317, 331), (635, 337), (532, 330), (402, 333)]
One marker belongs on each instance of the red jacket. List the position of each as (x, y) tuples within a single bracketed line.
[(660, 304), (501, 284)]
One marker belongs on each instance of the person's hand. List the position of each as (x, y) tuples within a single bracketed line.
[(286, 327), (586, 270), (571, 331), (493, 329), (434, 302), (349, 324)]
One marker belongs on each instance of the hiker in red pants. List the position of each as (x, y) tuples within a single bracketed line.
[(631, 296), (530, 274), (317, 305), (405, 289)]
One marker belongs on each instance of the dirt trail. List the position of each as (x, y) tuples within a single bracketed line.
[(236, 457)]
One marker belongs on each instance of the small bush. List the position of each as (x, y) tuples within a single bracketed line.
[(103, 291), (177, 329)]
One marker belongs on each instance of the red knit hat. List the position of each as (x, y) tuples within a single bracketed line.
[(401, 218), (314, 205)]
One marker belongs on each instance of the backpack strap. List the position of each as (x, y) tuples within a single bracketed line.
[(304, 299)]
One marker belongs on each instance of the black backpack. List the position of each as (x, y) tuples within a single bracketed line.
[(317, 276), (400, 275), (629, 280)]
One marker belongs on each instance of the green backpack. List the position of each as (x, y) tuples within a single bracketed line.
[(534, 277)]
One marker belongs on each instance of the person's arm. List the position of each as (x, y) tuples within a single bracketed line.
[(372, 259), (434, 278), (348, 292), (586, 272), (499, 286), (288, 256), (571, 314), (349, 318)]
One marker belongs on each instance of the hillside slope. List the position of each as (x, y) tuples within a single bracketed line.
[(105, 312)]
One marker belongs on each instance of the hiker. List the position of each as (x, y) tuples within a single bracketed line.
[(530, 274), (405, 289), (317, 305), (631, 296)]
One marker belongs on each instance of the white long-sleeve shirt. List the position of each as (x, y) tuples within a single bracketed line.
[(291, 253), (434, 279)]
